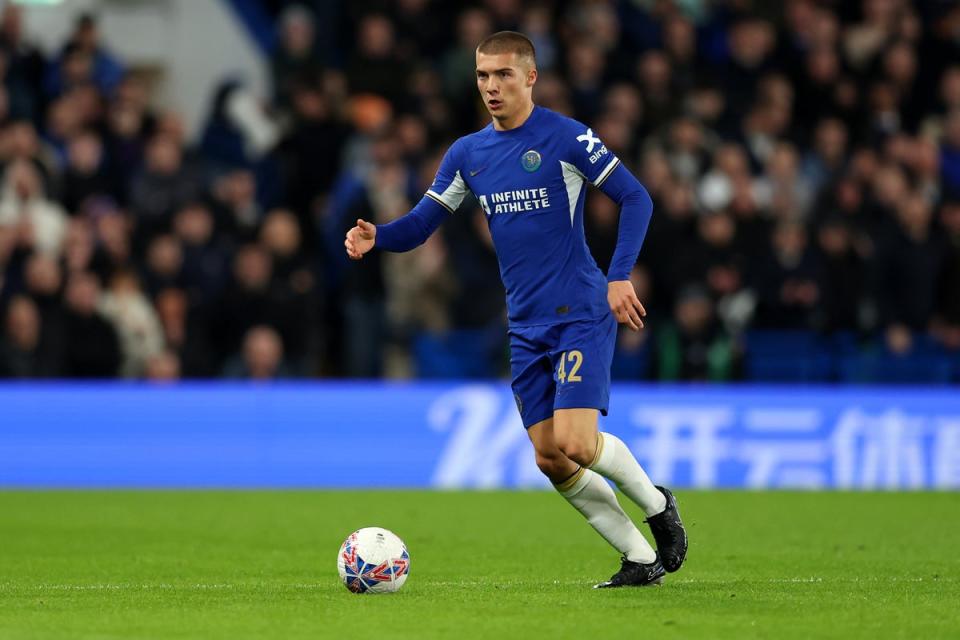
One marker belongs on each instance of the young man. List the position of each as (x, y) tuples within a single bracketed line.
[(527, 169)]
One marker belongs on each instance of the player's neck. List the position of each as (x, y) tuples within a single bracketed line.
[(515, 122)]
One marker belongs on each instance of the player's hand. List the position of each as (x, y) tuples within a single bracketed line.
[(360, 239), (625, 305)]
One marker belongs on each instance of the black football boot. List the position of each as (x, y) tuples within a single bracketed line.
[(669, 533), (634, 574)]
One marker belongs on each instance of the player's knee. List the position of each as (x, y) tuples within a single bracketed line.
[(551, 464), (575, 447)]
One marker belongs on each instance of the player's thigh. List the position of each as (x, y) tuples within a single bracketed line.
[(581, 364), (532, 381)]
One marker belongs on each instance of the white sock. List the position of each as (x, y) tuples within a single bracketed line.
[(592, 496), (614, 461)]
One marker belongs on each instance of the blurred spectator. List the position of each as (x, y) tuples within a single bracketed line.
[(675, 226), (128, 125), (787, 291), (84, 59), (91, 346), (25, 65), (20, 352), (21, 142), (713, 256), (537, 24), (694, 346), (24, 204), (751, 45), (841, 279), (204, 270), (383, 196), (783, 190), (632, 357), (680, 45), (113, 234), (950, 154), (947, 313), (459, 63), (908, 261), (79, 250), (261, 357), (252, 299), (420, 27), (587, 70), (42, 282), (375, 67), (86, 174), (164, 264), (134, 320), (296, 55), (505, 14), (239, 131), (311, 154), (185, 334), (280, 235), (163, 367), (234, 202), (655, 76), (828, 155), (163, 185)]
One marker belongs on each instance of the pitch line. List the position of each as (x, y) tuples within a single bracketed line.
[(227, 586)]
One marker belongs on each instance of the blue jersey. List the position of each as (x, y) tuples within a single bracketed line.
[(530, 182)]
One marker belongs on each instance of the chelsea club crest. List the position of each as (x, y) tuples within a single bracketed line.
[(530, 161)]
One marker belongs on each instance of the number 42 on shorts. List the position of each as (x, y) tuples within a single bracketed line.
[(575, 359)]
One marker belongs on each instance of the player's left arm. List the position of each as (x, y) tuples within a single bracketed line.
[(598, 164), (636, 209)]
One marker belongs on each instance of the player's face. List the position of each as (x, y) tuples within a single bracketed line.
[(506, 86)]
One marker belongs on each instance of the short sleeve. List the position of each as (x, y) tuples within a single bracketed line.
[(588, 154), (449, 188)]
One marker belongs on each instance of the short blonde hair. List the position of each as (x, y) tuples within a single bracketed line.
[(509, 42)]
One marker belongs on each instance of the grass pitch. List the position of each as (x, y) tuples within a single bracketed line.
[(85, 565)]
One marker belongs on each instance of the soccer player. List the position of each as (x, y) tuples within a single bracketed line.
[(527, 169)]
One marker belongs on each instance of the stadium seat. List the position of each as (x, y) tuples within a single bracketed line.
[(458, 354), (926, 363), (632, 365), (786, 356)]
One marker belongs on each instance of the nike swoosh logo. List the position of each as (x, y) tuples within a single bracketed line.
[(473, 173)]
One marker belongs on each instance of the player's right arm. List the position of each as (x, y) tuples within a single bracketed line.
[(411, 230)]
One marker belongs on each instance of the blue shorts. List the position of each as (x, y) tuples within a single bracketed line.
[(562, 366)]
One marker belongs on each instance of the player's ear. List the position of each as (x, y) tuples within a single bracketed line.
[(531, 76)]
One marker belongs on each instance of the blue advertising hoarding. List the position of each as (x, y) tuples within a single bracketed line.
[(449, 435)]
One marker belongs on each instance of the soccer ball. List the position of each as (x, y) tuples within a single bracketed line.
[(373, 560)]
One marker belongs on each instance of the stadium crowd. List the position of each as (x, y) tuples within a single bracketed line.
[(803, 157)]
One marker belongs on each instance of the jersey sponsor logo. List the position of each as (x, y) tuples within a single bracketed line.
[(476, 171), (590, 139), (484, 205), (530, 161), (602, 151), (515, 201)]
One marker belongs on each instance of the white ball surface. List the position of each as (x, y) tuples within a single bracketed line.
[(373, 560)]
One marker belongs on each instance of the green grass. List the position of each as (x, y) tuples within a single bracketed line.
[(84, 565)]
